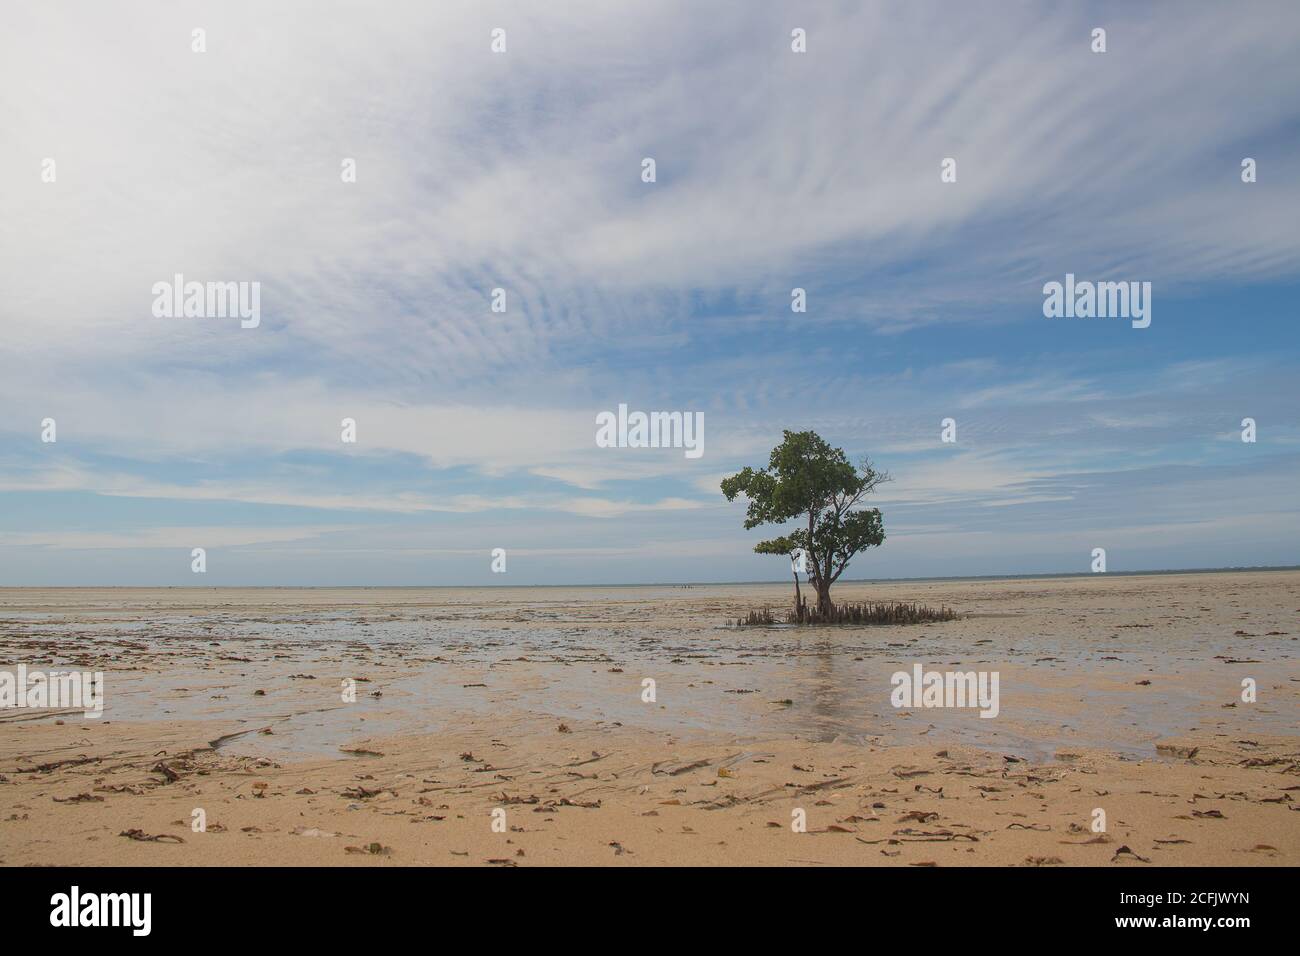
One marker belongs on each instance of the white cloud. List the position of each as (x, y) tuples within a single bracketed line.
[(522, 171), (180, 538)]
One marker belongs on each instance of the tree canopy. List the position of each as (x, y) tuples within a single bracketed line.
[(809, 480)]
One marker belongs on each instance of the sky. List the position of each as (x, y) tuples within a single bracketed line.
[(522, 170)]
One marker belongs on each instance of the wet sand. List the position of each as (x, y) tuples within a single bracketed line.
[(1119, 694)]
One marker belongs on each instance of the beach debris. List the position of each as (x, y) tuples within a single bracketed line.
[(679, 769), (226, 738), (162, 768), (1123, 853), (80, 798), (903, 772), (1269, 762), (142, 837), (506, 800), (595, 755), (311, 832), (133, 789), (912, 835), (371, 849), (361, 793), (56, 764), (918, 816)]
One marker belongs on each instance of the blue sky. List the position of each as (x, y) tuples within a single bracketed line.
[(522, 170)]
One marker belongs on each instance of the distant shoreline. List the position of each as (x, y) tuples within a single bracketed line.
[(1039, 576)]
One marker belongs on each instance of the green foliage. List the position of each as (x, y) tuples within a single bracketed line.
[(808, 480)]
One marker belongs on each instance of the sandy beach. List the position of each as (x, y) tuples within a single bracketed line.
[(513, 727)]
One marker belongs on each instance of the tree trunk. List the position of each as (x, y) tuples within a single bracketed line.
[(824, 606), (798, 600)]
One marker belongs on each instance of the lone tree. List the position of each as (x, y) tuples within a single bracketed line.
[(806, 476)]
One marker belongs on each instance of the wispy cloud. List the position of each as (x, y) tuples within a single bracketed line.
[(522, 172)]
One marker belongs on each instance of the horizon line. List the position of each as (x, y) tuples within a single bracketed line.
[(1238, 569)]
